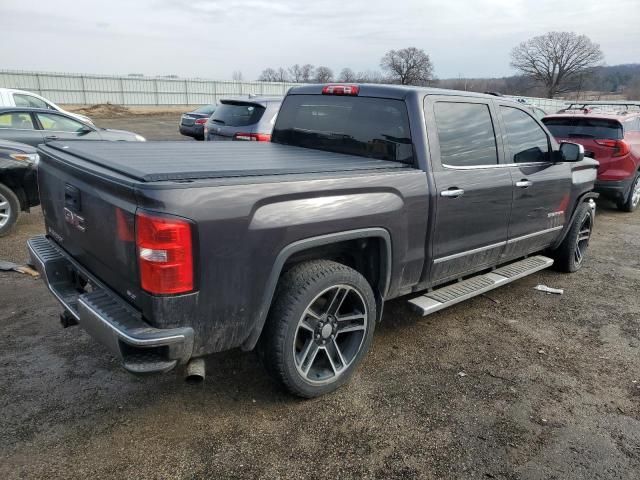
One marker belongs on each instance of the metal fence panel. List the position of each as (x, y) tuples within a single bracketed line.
[(71, 88), (67, 88)]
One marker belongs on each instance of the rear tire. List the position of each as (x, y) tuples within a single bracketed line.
[(9, 209), (633, 199), (319, 328), (569, 256)]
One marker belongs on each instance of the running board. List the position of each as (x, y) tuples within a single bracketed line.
[(458, 292)]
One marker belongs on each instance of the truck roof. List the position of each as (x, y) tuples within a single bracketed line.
[(399, 92), (166, 161)]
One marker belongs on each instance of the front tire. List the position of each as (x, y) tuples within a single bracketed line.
[(568, 257), (633, 199), (319, 328), (9, 209)]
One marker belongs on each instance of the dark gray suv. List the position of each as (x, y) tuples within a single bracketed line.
[(250, 118)]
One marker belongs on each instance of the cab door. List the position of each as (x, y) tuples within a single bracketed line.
[(473, 187), (541, 188)]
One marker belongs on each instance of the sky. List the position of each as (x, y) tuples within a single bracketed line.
[(214, 38)]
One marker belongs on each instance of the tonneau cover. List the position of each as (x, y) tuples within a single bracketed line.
[(162, 161)]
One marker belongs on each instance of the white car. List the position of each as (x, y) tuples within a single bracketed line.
[(10, 97)]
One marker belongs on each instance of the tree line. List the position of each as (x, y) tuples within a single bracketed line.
[(407, 66), (548, 65)]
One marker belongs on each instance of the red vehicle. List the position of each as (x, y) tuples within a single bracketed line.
[(611, 138)]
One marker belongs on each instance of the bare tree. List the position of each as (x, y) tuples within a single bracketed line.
[(308, 71), (347, 75), (282, 75), (295, 73), (556, 59), (268, 75), (323, 75), (409, 66), (237, 75), (273, 75), (370, 76)]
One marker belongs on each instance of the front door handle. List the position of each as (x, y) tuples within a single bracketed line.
[(524, 183), (51, 137), (452, 192)]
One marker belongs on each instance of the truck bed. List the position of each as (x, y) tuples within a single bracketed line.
[(166, 161)]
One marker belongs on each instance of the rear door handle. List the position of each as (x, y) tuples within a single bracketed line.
[(51, 137), (452, 192), (524, 184)]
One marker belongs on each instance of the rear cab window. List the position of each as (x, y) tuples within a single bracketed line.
[(237, 114), (362, 126), (584, 127)]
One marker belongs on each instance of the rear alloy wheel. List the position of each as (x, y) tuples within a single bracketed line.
[(9, 209), (633, 200), (319, 328)]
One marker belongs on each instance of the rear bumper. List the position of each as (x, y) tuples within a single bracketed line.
[(196, 131), (106, 317), (614, 189)]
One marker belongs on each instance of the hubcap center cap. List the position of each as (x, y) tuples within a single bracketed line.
[(326, 331)]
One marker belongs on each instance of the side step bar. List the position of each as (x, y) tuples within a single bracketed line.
[(458, 292)]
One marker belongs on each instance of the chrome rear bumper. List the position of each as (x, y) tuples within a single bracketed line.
[(107, 317)]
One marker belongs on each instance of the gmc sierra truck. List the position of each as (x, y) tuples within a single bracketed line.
[(169, 251)]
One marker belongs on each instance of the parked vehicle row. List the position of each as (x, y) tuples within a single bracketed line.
[(365, 193), (10, 97), (18, 185), (611, 138)]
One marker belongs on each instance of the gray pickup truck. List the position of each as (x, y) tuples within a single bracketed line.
[(168, 251)]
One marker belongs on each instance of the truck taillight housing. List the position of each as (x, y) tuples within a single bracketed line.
[(351, 90), (165, 254), (253, 137), (620, 147)]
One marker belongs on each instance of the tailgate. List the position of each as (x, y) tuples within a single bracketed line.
[(91, 216)]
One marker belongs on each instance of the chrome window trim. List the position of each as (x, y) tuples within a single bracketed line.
[(501, 165), (21, 129)]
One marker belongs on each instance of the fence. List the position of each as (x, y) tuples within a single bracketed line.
[(79, 89)]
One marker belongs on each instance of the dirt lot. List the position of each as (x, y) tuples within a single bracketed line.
[(552, 388)]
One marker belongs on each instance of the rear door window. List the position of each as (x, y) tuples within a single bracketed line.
[(22, 100), (527, 141), (237, 114), (58, 123), (19, 121), (584, 127), (466, 134), (362, 126)]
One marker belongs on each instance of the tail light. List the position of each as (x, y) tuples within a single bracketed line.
[(201, 121), (620, 147), (253, 137), (165, 254), (352, 90)]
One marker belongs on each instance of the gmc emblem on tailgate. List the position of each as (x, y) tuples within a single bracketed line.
[(74, 219)]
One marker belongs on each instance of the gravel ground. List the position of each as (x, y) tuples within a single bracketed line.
[(551, 391)]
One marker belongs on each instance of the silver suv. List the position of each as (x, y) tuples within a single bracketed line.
[(249, 118)]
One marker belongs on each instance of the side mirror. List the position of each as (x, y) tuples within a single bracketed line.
[(571, 152), (84, 130)]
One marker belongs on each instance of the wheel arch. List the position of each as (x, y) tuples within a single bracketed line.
[(325, 246)]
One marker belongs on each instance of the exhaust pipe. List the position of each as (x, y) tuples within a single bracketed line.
[(196, 371)]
